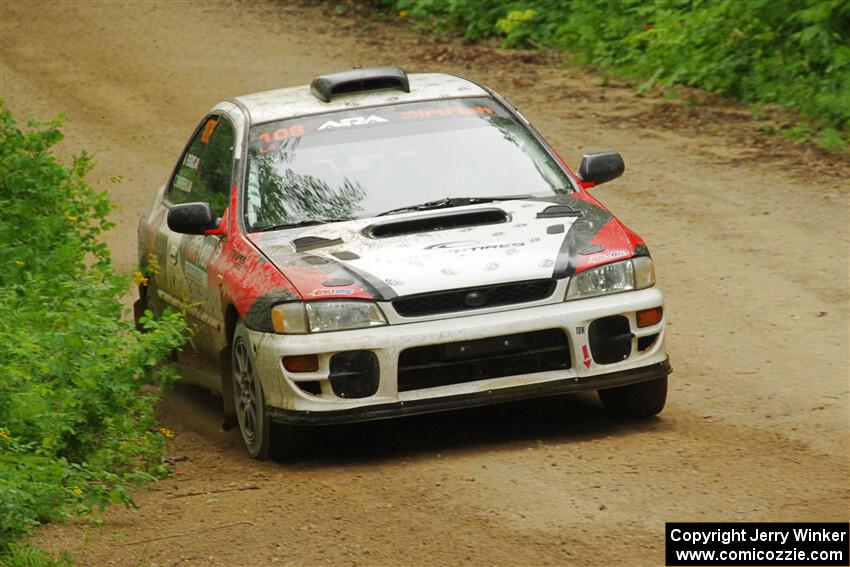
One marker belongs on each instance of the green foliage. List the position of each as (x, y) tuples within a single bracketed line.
[(795, 53), (518, 27), (29, 556), (79, 383)]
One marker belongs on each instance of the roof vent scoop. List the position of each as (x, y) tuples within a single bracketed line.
[(326, 87)]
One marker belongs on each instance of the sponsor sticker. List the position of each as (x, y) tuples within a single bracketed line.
[(445, 111), (268, 141), (192, 161), (607, 256), (353, 121), (183, 184), (471, 246), (586, 356), (208, 130), (330, 291)]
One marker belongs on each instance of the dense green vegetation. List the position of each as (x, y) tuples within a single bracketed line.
[(794, 53), (78, 383)]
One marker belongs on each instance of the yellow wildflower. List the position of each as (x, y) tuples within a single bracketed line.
[(4, 435), (72, 218), (151, 264), (403, 14), (77, 491), (167, 433), (140, 278)]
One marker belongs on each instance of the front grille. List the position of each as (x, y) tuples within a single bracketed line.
[(481, 359), (473, 298)]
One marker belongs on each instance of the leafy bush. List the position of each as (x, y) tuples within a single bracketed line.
[(29, 556), (79, 383), (795, 53)]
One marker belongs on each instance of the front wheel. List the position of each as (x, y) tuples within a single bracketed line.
[(263, 438), (643, 399), (254, 423)]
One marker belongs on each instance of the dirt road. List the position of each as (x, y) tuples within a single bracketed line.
[(750, 237)]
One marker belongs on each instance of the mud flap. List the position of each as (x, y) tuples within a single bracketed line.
[(229, 409)]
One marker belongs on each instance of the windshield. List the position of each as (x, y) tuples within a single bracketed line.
[(362, 162)]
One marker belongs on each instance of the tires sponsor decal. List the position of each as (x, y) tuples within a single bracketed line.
[(471, 246), (325, 291), (607, 256)]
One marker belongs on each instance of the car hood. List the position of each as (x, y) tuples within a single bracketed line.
[(419, 252)]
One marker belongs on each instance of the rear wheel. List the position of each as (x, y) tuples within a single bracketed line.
[(643, 399)]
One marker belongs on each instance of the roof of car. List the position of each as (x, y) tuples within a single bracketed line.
[(299, 101)]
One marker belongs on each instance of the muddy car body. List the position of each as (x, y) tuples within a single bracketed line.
[(381, 244)]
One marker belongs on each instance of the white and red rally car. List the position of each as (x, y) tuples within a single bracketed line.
[(380, 244)]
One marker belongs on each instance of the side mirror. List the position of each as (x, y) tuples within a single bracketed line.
[(601, 167), (192, 218)]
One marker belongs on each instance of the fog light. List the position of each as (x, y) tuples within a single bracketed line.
[(649, 317), (301, 363), (354, 374)]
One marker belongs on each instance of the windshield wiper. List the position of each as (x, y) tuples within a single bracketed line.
[(448, 202), (310, 222)]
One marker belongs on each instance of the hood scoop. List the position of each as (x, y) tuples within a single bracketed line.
[(434, 222), (556, 211), (306, 243)]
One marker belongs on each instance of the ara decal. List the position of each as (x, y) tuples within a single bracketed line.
[(353, 121)]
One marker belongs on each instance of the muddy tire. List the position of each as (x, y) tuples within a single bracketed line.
[(249, 399), (643, 399), (263, 438)]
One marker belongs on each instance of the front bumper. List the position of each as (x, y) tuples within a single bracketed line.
[(288, 402), (485, 398)]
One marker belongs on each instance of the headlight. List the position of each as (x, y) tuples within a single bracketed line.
[(636, 273), (320, 316)]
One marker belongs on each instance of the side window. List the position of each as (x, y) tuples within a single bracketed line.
[(207, 167)]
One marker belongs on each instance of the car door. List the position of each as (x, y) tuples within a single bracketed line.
[(204, 174)]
